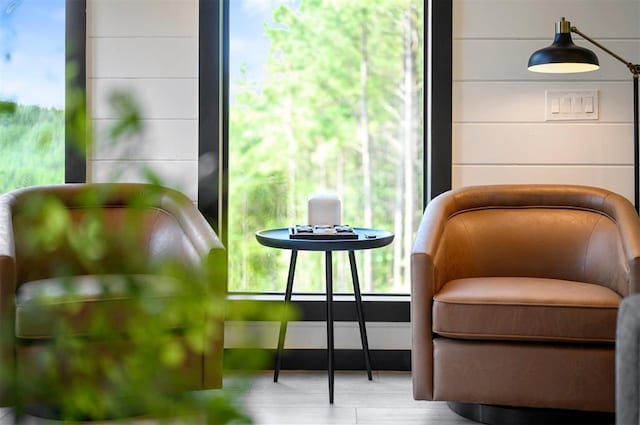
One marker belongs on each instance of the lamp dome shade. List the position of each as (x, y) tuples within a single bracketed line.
[(563, 57)]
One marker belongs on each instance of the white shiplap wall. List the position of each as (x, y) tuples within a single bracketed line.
[(148, 48), (499, 131)]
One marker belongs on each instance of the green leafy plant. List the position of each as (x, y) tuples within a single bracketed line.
[(76, 378), (172, 306)]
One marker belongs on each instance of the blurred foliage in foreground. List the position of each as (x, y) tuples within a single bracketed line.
[(75, 379), (115, 363)]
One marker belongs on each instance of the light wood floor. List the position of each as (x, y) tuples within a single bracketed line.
[(302, 398)]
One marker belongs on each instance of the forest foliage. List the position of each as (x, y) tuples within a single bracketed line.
[(341, 110), (32, 146)]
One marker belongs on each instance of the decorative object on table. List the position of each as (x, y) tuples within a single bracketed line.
[(322, 231), (324, 209), (565, 57)]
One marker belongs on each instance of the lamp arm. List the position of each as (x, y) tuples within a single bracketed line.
[(634, 68)]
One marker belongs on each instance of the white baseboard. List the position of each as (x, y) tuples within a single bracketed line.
[(313, 335)]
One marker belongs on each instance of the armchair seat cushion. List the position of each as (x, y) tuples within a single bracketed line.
[(91, 304), (526, 309)]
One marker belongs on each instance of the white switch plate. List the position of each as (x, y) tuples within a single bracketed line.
[(571, 105)]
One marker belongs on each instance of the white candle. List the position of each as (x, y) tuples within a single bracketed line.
[(324, 209)]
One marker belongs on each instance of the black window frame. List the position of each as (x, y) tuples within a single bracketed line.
[(439, 157), (213, 189), (75, 166)]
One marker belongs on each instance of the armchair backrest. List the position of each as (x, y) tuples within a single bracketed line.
[(102, 229), (564, 232)]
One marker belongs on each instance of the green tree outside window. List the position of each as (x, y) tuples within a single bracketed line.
[(339, 106)]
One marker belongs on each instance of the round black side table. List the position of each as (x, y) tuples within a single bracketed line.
[(367, 239)]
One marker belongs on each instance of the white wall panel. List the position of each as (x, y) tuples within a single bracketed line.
[(177, 174), (130, 18), (159, 140), (514, 19), (157, 98), (150, 57), (540, 143), (615, 178), (524, 101)]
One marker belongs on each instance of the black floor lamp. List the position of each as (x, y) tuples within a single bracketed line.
[(565, 57)]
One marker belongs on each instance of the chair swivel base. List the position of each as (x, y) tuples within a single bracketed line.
[(506, 415)]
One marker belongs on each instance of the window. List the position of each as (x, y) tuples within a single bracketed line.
[(324, 96), (41, 70), (214, 188)]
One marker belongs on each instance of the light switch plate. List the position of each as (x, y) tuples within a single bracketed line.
[(571, 105)]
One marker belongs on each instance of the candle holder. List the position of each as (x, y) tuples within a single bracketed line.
[(324, 209)]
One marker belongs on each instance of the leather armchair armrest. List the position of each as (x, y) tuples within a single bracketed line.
[(193, 224), (426, 278), (7, 295), (629, 229), (7, 258)]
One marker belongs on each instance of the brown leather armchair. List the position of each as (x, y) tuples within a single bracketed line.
[(515, 292), (106, 266)]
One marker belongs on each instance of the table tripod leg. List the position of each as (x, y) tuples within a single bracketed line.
[(283, 323), (360, 313), (330, 356)]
